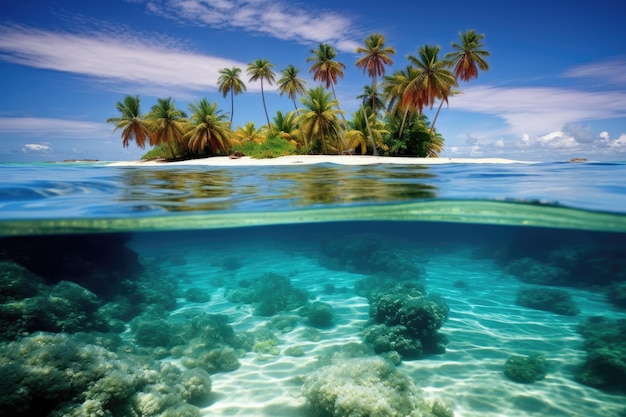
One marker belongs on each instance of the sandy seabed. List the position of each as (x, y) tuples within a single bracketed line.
[(484, 328), (320, 159)]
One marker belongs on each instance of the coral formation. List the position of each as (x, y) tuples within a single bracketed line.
[(366, 254), (366, 387), (605, 344), (617, 294), (270, 294), (547, 299), (87, 380), (408, 321), (197, 295), (318, 314), (525, 369)]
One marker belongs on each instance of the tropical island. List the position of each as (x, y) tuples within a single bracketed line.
[(389, 122)]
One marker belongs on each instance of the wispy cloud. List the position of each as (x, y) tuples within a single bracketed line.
[(279, 19), (41, 127), (36, 147), (117, 59), (609, 71), (539, 110), (541, 121)]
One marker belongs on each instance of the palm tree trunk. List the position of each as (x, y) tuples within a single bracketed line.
[(369, 131), (169, 145), (406, 112), (296, 106), (432, 125), (264, 107), (232, 106), (343, 117)]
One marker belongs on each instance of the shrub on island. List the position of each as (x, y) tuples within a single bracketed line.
[(547, 299), (525, 369)]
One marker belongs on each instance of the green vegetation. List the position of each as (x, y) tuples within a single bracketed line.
[(389, 122), (272, 147)]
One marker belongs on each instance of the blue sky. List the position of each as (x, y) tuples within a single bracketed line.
[(556, 87)]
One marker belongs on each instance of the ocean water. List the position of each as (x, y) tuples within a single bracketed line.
[(492, 289)]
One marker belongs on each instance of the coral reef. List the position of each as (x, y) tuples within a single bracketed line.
[(197, 295), (407, 320), (617, 294), (270, 294), (318, 314), (547, 299), (525, 369), (532, 271), (367, 254), (366, 387), (88, 380), (97, 262), (605, 344)]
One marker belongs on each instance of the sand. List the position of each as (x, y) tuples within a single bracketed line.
[(485, 327), (320, 159)]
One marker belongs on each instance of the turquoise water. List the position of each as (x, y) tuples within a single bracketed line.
[(275, 291)]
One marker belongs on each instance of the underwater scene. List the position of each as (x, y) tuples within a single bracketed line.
[(319, 291)]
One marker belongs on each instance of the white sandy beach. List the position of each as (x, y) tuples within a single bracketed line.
[(321, 159)]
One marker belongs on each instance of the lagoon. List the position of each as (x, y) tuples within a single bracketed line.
[(276, 283)]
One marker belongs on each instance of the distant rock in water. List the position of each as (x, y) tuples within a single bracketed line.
[(578, 160)]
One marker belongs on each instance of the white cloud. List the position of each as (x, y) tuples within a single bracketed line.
[(278, 19), (608, 71), (46, 127), (555, 145), (113, 58), (36, 147), (539, 110)]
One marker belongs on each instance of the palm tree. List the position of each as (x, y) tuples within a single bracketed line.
[(291, 84), (167, 124), (403, 90), (360, 130), (261, 69), (319, 122), (130, 121), (285, 126), (437, 81), (467, 59), (324, 69), (377, 55), (210, 128), (229, 82), (468, 56), (371, 98)]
